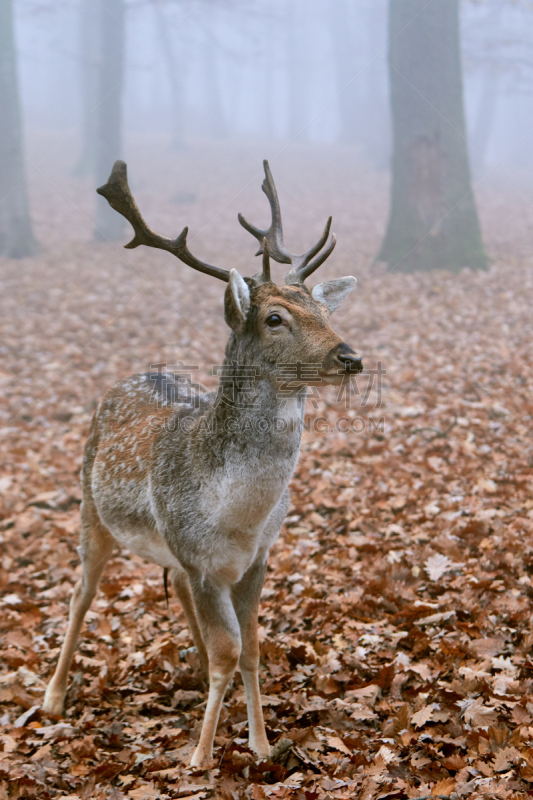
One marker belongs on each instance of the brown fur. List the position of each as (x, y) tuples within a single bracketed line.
[(197, 482)]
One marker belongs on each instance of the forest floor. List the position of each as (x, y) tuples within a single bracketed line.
[(396, 632)]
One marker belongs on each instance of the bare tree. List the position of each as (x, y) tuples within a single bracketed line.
[(497, 46), (375, 112), (174, 72), (108, 113), (433, 221), (89, 74), (344, 62), (16, 236)]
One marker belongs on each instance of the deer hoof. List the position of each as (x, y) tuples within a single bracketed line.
[(201, 759), (262, 750), (53, 703)]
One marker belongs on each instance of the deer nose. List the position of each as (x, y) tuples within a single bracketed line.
[(351, 362)]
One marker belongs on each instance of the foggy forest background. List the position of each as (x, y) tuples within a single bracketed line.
[(97, 79), (308, 70)]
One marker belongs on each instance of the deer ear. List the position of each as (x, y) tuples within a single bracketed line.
[(332, 293), (236, 301)]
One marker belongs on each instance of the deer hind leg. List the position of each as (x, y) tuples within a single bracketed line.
[(245, 596), (221, 634), (182, 587), (96, 547)]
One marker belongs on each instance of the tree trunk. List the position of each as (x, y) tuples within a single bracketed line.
[(89, 74), (174, 74), (346, 71), (375, 108), (484, 123), (16, 236), (109, 224), (433, 222)]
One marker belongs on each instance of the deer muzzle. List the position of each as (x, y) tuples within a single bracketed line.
[(342, 360)]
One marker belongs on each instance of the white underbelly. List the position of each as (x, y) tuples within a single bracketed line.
[(148, 544)]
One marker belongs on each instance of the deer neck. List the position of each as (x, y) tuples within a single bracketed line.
[(253, 415)]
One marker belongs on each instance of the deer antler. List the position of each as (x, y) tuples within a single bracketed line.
[(302, 266), (118, 194)]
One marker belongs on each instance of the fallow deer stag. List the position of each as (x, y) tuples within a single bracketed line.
[(197, 481)]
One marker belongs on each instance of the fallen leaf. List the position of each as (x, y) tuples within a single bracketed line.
[(421, 717), (336, 743), (477, 714), (504, 759), (436, 566), (24, 718)]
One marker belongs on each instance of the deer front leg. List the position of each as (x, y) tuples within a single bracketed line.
[(245, 596), (96, 547), (182, 587), (221, 634)]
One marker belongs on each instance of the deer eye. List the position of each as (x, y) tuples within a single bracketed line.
[(273, 320)]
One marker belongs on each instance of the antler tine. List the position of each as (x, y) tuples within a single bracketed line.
[(299, 262), (274, 234), (302, 266), (314, 265), (118, 194)]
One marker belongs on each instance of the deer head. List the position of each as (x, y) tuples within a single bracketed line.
[(272, 325)]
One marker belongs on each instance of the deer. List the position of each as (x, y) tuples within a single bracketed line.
[(197, 482)]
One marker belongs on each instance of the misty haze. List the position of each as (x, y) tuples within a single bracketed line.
[(395, 620)]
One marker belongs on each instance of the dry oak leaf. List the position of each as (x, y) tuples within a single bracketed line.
[(327, 684), (434, 619), (445, 786), (420, 759), (30, 678), (336, 743), (24, 718), (521, 716), (502, 684), (295, 780), (504, 758), (424, 715), (42, 752), (362, 712), (506, 665), (169, 774), (125, 780), (477, 714), (436, 566), (10, 744), (386, 754), (489, 647), (146, 792), (377, 767), (470, 674), (421, 669), (368, 694)]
